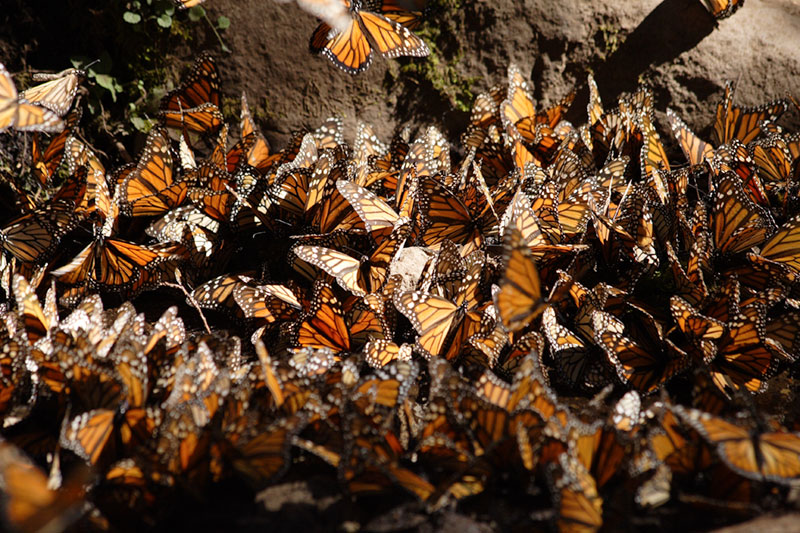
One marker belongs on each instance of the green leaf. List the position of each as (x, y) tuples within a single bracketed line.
[(223, 23), (109, 83), (139, 123), (131, 18), (165, 21), (196, 13), (79, 60)]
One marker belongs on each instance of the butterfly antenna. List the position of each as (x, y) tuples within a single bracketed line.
[(84, 67)]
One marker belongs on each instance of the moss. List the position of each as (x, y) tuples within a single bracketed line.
[(612, 38), (444, 78), (438, 69), (231, 107)]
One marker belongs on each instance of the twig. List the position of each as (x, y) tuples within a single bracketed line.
[(193, 303)]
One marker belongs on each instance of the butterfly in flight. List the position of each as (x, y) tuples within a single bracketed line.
[(20, 114), (351, 47)]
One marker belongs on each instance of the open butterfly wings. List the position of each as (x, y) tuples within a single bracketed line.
[(19, 113), (151, 188), (351, 48), (57, 93), (195, 105)]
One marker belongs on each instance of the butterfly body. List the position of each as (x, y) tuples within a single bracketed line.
[(351, 48)]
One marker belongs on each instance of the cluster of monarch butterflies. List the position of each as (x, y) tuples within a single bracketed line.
[(592, 322)]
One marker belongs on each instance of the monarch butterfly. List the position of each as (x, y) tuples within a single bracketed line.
[(36, 320), (446, 216), (645, 366), (29, 503), (269, 302), (378, 217), (519, 300), (351, 48), (774, 160), (324, 325), (97, 434), (120, 266), (627, 413), (484, 113), (254, 145), (195, 105), (215, 197), (261, 456), (594, 108), (520, 215), (743, 123), (19, 113), (34, 237), (200, 87), (289, 390), (360, 277), (92, 435), (151, 188), (385, 390), (695, 150), (600, 449), (303, 188), (782, 247), (191, 227), (738, 223), (57, 93), (518, 112), (199, 387), (217, 293), (742, 358), (652, 156), (675, 446), (381, 352), (578, 504), (487, 409), (752, 453), (46, 161), (561, 218), (12, 354), (722, 8), (186, 4), (203, 118), (570, 353), (489, 342), (701, 330), (439, 319)]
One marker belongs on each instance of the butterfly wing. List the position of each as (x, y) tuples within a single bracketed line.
[(347, 49), (391, 38)]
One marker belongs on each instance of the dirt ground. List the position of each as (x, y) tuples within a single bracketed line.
[(674, 45)]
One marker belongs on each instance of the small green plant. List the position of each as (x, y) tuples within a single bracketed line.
[(222, 23), (444, 78), (442, 72), (612, 39), (99, 71)]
